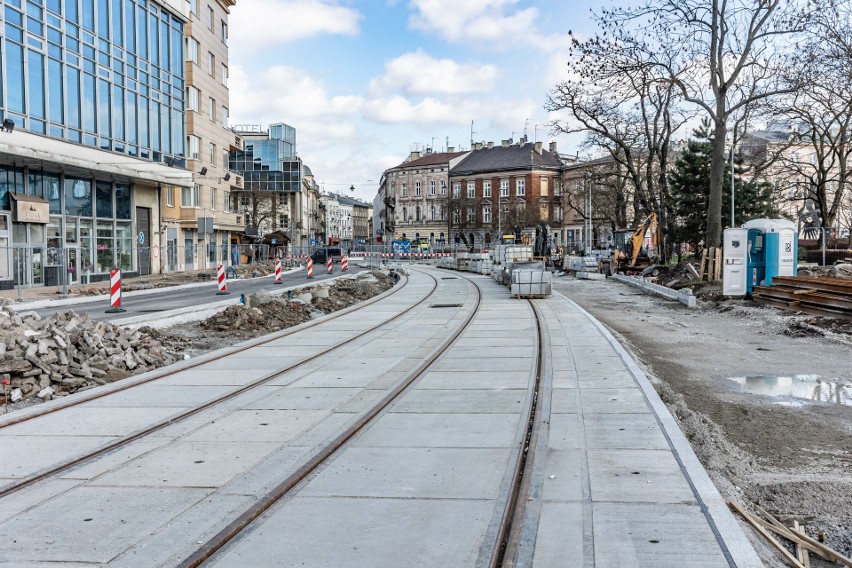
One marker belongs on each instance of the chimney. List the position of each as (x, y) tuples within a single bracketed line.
[(538, 147), (553, 147), (477, 146), (413, 156), (505, 143), (490, 145), (451, 150)]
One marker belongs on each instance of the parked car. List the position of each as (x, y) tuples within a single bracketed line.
[(320, 256)]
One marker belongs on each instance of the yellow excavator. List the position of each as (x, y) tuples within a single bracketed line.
[(629, 250)]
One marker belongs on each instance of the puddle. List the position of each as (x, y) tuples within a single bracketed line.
[(808, 387)]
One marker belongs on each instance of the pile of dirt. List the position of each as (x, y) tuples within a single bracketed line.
[(244, 322), (843, 270)]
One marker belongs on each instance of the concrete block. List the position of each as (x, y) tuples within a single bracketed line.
[(686, 299)]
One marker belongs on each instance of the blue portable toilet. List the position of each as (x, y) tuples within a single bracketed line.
[(757, 252)]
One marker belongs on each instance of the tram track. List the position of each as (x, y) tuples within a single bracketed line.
[(171, 420)]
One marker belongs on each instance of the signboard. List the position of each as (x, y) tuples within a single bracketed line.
[(401, 247), (31, 209), (141, 238), (205, 225)]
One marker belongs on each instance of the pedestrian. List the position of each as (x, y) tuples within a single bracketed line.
[(249, 254)]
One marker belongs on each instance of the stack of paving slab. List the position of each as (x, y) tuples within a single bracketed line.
[(476, 262), (462, 260), (531, 283)]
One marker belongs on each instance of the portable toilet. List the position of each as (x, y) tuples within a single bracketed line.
[(756, 253)]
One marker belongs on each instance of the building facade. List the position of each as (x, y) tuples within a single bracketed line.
[(93, 113), (361, 214), (200, 225)]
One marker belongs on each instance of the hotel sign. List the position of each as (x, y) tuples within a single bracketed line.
[(31, 209)]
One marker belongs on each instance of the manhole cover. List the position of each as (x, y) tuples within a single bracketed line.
[(446, 306)]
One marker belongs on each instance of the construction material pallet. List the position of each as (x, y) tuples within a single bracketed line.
[(823, 296)]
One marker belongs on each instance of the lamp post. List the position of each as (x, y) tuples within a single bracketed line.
[(733, 224), (588, 210)]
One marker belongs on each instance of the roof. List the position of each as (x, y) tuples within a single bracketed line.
[(504, 158), (343, 200), (431, 160)]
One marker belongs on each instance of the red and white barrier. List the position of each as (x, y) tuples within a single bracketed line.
[(330, 266), (223, 288), (115, 292), (310, 268), (344, 264), (278, 271)]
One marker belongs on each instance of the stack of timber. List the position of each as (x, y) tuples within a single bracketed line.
[(818, 295), (711, 264)]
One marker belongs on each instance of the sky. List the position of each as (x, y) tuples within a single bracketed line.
[(366, 82)]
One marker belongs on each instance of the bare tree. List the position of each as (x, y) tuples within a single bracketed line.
[(721, 55)]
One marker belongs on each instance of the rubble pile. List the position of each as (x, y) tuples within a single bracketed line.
[(835, 271), (246, 321), (68, 353)]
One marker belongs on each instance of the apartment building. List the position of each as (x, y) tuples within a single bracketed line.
[(199, 222), (92, 129)]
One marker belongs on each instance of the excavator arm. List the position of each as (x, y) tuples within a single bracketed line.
[(651, 225)]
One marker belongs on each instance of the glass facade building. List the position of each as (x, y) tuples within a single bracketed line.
[(105, 77), (103, 73), (269, 164)]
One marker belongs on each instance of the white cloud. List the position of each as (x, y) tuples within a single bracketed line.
[(264, 23), (490, 23), (419, 73)]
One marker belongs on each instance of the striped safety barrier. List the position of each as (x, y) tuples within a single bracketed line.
[(344, 264), (310, 268), (220, 277), (330, 266), (278, 271), (115, 292)]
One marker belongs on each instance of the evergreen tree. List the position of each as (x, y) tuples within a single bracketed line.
[(690, 191)]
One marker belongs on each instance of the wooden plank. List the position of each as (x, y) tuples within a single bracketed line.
[(703, 266), (717, 273), (801, 551), (757, 526), (833, 555)]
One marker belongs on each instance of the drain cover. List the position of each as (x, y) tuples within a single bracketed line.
[(449, 278), (446, 306)]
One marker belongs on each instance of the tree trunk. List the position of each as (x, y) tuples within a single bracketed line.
[(717, 172)]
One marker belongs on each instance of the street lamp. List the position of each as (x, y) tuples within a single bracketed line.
[(733, 224), (588, 210)]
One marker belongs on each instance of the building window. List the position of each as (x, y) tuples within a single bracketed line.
[(457, 190), (486, 214), (404, 214), (211, 17), (193, 6), (520, 187), (224, 32), (192, 50), (224, 74), (471, 215), (443, 213), (404, 188), (225, 116), (282, 221), (417, 190), (211, 108), (281, 200), (213, 198), (212, 154), (192, 98), (432, 187), (226, 202), (193, 147), (456, 216), (433, 214), (443, 187), (211, 64), (417, 214), (486, 189), (190, 196), (170, 196), (504, 188), (471, 190)]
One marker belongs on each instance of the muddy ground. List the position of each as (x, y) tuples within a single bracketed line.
[(791, 456)]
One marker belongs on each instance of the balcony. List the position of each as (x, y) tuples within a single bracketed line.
[(236, 142)]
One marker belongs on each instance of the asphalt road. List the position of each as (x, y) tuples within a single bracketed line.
[(165, 299)]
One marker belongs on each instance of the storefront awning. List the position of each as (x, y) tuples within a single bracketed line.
[(25, 149)]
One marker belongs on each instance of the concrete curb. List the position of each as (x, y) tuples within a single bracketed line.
[(38, 304), (729, 531), (686, 299)]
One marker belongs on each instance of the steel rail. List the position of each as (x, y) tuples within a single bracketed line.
[(235, 527), (204, 359), (123, 441)]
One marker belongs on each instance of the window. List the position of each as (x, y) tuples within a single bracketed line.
[(193, 6), (212, 154), (190, 196), (417, 190), (504, 188), (520, 187), (211, 17), (471, 216), (211, 64), (224, 74), (486, 214), (193, 146), (192, 98), (443, 187), (432, 188), (404, 188), (417, 213), (192, 50), (282, 221), (433, 213), (404, 214), (223, 32), (457, 190), (456, 216), (226, 202), (170, 196), (471, 190), (544, 186), (486, 189), (225, 116), (211, 109), (213, 198)]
